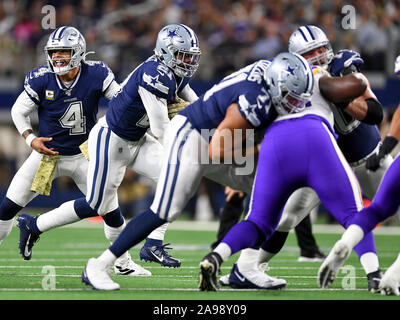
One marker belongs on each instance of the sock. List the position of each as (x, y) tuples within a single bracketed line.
[(113, 233), (108, 258), (8, 209), (113, 218), (369, 262), (275, 243), (352, 236), (64, 214), (264, 256), (135, 231), (152, 242), (244, 234), (223, 250), (248, 259), (158, 234)]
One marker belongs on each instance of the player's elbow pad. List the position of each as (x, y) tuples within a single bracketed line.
[(374, 111)]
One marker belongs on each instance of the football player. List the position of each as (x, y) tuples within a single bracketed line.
[(385, 204), (65, 92), (358, 139), (240, 99), (299, 150), (120, 140)]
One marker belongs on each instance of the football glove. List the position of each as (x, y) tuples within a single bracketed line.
[(174, 108), (344, 62), (374, 161)]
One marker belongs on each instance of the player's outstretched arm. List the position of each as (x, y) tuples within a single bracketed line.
[(342, 89), (366, 107)]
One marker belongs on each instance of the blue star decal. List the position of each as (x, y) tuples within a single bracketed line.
[(290, 70), (154, 80), (171, 34)]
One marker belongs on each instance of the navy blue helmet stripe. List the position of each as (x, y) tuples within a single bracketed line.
[(302, 33), (191, 35), (312, 36), (61, 32)]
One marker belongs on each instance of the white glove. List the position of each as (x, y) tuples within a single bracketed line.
[(397, 65), (390, 281)]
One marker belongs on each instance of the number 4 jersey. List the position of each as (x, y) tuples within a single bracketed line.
[(68, 113)]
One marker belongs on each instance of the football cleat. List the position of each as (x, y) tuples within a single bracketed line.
[(26, 237), (96, 274), (224, 280), (126, 267), (374, 279), (159, 255), (209, 267), (330, 267), (252, 279), (390, 282), (316, 256)]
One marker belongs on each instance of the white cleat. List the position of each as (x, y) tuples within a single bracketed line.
[(224, 280), (330, 267), (96, 274), (252, 279), (126, 267), (390, 282)]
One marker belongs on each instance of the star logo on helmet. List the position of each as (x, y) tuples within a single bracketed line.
[(290, 70), (171, 34)]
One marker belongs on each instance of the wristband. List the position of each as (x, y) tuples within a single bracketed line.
[(29, 139), (388, 145), (374, 112)]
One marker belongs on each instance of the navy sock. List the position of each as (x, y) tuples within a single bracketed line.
[(275, 243), (135, 231), (153, 242), (83, 210), (8, 209), (114, 218)]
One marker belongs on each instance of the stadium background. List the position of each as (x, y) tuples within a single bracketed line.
[(231, 34)]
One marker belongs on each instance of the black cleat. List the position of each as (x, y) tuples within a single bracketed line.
[(374, 279), (209, 267)]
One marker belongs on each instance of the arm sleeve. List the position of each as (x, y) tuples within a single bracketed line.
[(21, 110), (112, 90), (157, 111), (188, 94)]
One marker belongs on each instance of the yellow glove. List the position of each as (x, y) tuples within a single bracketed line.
[(174, 108), (44, 175), (84, 149)]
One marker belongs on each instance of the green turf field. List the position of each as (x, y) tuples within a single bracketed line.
[(65, 251)]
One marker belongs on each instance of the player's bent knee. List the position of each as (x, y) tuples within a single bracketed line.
[(83, 209), (114, 218)]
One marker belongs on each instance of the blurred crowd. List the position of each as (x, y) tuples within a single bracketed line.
[(232, 33)]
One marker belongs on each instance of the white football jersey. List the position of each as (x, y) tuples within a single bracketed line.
[(319, 106)]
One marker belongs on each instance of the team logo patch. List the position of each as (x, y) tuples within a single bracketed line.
[(49, 95)]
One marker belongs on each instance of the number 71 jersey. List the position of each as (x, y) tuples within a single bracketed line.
[(67, 114), (246, 87)]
